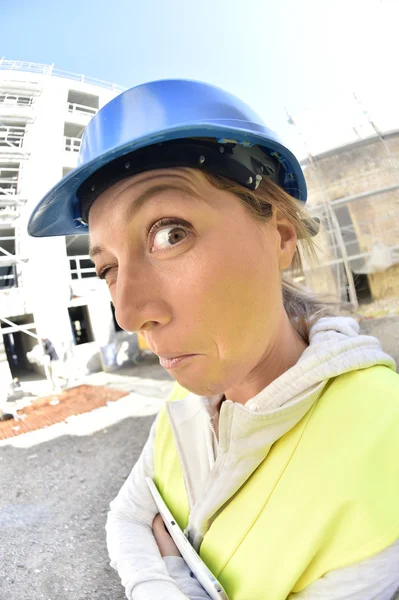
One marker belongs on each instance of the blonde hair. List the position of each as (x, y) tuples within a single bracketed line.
[(302, 306)]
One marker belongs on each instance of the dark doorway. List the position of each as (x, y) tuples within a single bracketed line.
[(362, 287), (16, 345), (81, 326)]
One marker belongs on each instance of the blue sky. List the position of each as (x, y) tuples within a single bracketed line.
[(294, 53)]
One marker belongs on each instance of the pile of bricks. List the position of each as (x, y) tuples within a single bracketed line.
[(57, 408)]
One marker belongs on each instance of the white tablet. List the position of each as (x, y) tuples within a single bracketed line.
[(193, 560)]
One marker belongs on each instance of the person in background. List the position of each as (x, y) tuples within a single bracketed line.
[(53, 361), (278, 452), (49, 349)]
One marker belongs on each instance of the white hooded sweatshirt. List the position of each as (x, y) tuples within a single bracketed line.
[(214, 469)]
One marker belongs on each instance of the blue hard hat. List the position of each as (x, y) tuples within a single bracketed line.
[(163, 124)]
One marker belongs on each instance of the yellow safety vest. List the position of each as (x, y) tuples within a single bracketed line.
[(325, 497)]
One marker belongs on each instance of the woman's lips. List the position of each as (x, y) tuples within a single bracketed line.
[(173, 363)]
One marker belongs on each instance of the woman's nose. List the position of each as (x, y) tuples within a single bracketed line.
[(138, 303)]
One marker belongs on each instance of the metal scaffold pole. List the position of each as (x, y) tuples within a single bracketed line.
[(34, 335), (331, 217)]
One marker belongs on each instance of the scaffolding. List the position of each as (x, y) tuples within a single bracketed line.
[(17, 100), (359, 230), (50, 70), (18, 109)]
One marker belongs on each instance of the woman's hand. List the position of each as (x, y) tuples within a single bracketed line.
[(166, 545)]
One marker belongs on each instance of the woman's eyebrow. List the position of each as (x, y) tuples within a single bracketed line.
[(94, 251), (140, 201), (143, 198)]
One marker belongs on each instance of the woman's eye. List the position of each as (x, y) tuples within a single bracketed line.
[(106, 274), (169, 236)]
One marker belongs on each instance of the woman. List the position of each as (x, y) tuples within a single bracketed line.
[(278, 454)]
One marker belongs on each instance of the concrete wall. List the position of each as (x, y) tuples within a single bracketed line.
[(365, 167), (357, 168)]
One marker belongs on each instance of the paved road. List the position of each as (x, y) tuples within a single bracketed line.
[(53, 503)]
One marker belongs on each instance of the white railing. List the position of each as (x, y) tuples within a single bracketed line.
[(10, 99), (11, 136), (8, 274), (6, 201), (41, 69), (10, 209), (74, 107), (7, 238), (9, 181), (8, 281), (72, 144), (8, 188), (9, 172), (8, 213), (76, 267), (4, 277)]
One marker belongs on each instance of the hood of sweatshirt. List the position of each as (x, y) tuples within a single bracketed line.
[(247, 432)]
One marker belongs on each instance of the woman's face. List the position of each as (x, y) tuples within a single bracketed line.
[(189, 268)]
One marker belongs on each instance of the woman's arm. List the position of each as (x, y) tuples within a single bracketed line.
[(187, 583), (131, 544), (177, 567), (376, 578)]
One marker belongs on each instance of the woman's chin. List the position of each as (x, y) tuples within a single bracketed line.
[(200, 377), (199, 384)]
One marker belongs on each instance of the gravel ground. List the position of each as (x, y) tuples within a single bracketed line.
[(53, 503)]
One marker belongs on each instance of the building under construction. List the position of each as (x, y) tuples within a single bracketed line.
[(48, 286), (353, 185)]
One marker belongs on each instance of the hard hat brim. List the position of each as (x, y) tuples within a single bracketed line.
[(58, 213)]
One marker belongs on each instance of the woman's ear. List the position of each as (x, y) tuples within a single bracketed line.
[(287, 240)]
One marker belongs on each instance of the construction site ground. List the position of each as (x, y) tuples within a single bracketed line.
[(57, 482)]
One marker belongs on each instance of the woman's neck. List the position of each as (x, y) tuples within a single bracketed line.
[(283, 354)]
